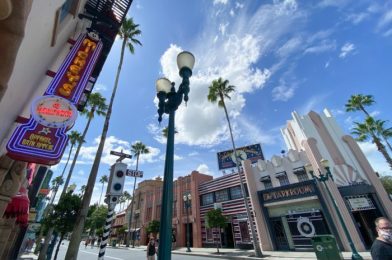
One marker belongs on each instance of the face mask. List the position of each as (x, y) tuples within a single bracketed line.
[(387, 235)]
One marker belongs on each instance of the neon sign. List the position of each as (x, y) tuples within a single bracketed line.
[(43, 138)]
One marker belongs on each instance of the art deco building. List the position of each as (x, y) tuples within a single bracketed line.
[(292, 207)]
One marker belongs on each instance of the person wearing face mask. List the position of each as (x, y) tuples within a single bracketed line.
[(382, 245)]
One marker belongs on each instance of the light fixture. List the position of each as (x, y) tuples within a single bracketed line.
[(163, 85), (185, 59), (324, 163)]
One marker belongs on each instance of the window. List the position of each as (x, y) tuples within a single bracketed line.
[(149, 214), (65, 9), (283, 180), (267, 184), (235, 192), (244, 230), (302, 176), (158, 212), (209, 234), (207, 199), (221, 195), (174, 208)]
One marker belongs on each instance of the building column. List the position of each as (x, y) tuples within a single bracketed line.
[(259, 217), (6, 226), (370, 174), (315, 157)]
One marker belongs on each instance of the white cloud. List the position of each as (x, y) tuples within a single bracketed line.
[(375, 158), (193, 153), (222, 28), (333, 3), (385, 19), (112, 143), (253, 134), (346, 49), (324, 46), (224, 2), (357, 17), (292, 45), (375, 113), (100, 88), (327, 64), (283, 92), (203, 168)]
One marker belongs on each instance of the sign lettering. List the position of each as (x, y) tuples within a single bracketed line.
[(43, 138), (288, 193)]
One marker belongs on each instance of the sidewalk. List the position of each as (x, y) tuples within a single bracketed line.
[(231, 253)]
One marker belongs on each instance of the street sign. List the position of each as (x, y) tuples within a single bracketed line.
[(123, 155), (134, 173)]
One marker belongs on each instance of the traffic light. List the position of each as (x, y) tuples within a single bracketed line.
[(116, 181)]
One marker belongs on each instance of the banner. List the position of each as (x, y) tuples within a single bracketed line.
[(226, 159)]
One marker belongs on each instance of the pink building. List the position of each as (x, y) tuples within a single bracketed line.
[(292, 208)]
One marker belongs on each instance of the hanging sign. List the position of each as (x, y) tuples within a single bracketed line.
[(226, 159), (43, 138)]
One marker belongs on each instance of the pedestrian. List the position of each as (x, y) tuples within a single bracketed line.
[(174, 240), (93, 242), (151, 250), (382, 245), (86, 243)]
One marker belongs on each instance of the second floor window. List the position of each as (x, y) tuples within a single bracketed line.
[(221, 195), (283, 180), (207, 199), (267, 184)]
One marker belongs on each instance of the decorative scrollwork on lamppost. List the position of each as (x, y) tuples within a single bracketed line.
[(323, 178), (169, 101), (187, 204)]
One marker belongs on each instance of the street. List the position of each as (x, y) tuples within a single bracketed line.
[(116, 253)]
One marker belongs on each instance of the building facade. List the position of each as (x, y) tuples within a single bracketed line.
[(225, 193), (294, 207)]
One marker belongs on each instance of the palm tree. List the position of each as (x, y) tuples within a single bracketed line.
[(385, 133), (137, 149), (368, 130), (166, 130), (82, 189), (96, 105), (127, 197), (103, 179), (220, 90), (128, 33), (56, 183), (359, 102)]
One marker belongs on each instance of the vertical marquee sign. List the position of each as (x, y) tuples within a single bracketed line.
[(43, 138)]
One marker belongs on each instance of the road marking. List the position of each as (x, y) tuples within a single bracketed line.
[(91, 253)]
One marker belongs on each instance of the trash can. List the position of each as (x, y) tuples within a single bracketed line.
[(326, 248), (114, 242)]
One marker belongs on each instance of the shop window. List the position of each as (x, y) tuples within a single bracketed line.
[(209, 234), (302, 176), (235, 192), (283, 180), (222, 195), (267, 184), (244, 230), (207, 199)]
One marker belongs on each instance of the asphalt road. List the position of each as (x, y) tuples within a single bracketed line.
[(117, 254)]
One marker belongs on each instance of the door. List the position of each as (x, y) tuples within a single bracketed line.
[(228, 236), (279, 234)]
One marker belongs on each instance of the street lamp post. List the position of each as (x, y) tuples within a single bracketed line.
[(187, 202), (169, 100), (324, 178)]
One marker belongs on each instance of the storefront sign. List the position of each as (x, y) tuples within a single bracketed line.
[(226, 159), (288, 192), (360, 203), (44, 189), (54, 111), (43, 138)]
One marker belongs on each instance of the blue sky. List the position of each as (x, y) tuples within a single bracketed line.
[(281, 56)]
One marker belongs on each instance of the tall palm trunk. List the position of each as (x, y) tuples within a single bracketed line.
[(250, 219), (364, 110), (132, 203), (100, 196), (386, 141), (73, 247), (381, 149), (77, 153)]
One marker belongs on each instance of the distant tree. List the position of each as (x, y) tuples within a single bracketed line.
[(56, 183), (383, 131), (153, 227), (82, 189), (166, 130), (98, 217), (121, 231), (103, 180), (368, 130), (215, 219), (63, 217), (359, 102), (387, 183)]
